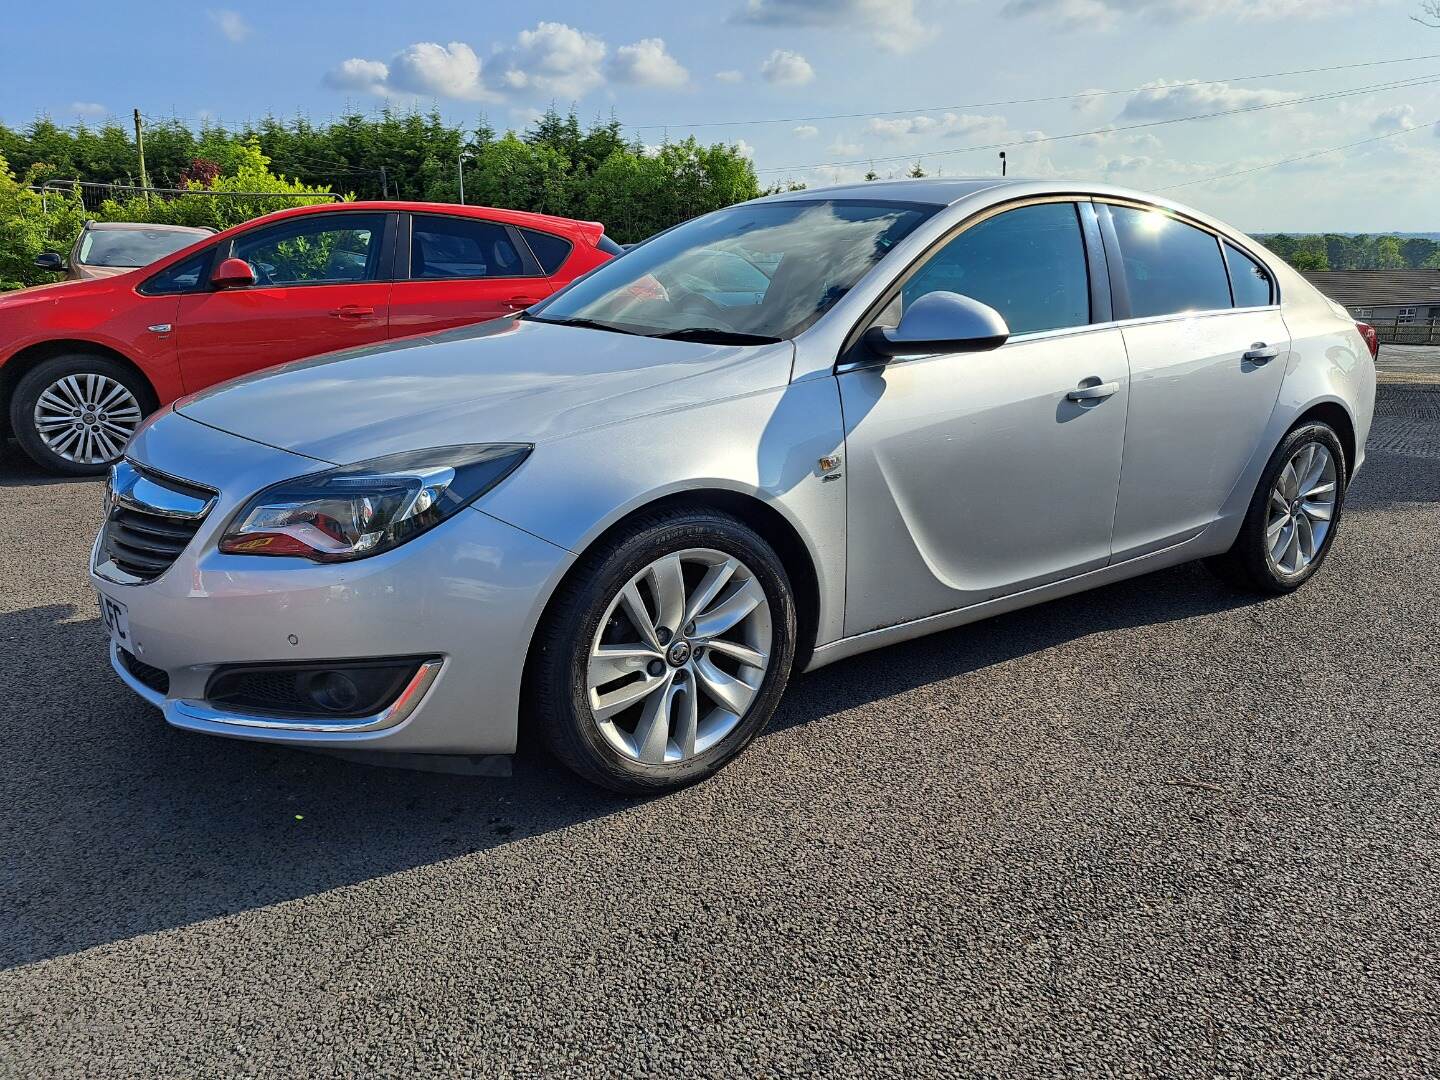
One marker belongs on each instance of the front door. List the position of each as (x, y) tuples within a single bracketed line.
[(975, 475), (321, 285), (463, 270)]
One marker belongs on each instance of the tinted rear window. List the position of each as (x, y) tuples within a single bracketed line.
[(550, 250), (1169, 266), (1248, 279)]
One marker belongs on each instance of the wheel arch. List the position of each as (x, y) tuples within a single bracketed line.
[(772, 525), (30, 357), (1338, 417)]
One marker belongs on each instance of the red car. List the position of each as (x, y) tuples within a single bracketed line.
[(82, 362)]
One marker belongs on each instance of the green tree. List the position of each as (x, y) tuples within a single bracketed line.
[(30, 225)]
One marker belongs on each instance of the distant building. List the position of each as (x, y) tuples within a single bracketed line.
[(1386, 296)]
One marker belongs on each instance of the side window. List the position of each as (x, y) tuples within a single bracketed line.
[(321, 250), (453, 247), (550, 250), (1249, 281), (185, 276), (1169, 266), (1028, 264)]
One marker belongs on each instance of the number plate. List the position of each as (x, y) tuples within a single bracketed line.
[(116, 619)]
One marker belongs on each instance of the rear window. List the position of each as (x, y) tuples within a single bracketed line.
[(1248, 279), (1170, 266), (447, 247), (550, 250)]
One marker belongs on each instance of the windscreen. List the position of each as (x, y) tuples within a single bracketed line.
[(131, 247)]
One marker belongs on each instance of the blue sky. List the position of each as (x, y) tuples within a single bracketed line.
[(929, 66)]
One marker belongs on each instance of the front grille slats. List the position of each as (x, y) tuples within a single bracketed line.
[(144, 543), (150, 676)]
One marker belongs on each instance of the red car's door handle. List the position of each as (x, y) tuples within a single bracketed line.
[(522, 301), (353, 311)]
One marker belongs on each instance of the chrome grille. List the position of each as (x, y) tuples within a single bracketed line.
[(149, 520)]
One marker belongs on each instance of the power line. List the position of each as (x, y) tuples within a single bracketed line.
[(1299, 157), (1425, 80), (1081, 95)]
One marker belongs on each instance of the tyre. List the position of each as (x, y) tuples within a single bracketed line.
[(665, 653), (73, 414), (1293, 515)]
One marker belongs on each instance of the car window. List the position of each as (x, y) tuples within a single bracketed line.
[(1249, 281), (131, 247), (449, 247), (1028, 264), (185, 276), (1169, 266), (551, 251), (315, 250)]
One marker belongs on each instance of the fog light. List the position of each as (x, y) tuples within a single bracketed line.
[(334, 691)]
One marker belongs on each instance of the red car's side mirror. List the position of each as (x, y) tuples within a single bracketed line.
[(232, 274)]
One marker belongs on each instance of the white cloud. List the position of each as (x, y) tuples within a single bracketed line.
[(1103, 13), (646, 63), (730, 76), (230, 23), (806, 131), (841, 148), (1162, 100), (786, 68), (1090, 102), (448, 71), (88, 108), (949, 124), (1396, 118), (892, 23), (361, 76), (553, 60), (744, 149)]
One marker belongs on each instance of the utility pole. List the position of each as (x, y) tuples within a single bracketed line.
[(384, 187), (460, 170), (1002, 162), (140, 149)]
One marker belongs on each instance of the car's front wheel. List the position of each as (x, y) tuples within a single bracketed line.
[(1293, 515), (73, 414), (665, 653)]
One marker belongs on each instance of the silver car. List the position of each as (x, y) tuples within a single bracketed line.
[(625, 516)]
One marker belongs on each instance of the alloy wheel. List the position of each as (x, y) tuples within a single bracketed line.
[(679, 656), (1301, 509), (86, 417)]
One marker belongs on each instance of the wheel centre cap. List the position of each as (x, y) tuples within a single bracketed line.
[(679, 653)]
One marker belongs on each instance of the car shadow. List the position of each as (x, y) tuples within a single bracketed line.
[(118, 825), (17, 470)]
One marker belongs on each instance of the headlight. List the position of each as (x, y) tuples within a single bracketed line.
[(360, 510)]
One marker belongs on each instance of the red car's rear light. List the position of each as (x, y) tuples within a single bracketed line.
[(1372, 339)]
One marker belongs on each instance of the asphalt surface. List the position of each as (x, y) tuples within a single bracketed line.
[(1156, 830)]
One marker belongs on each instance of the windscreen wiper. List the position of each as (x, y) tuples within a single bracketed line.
[(588, 324), (715, 335)]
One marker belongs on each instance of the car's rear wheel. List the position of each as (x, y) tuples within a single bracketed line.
[(665, 653), (1293, 515), (73, 414)]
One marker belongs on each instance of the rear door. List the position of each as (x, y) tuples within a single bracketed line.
[(1208, 351), (322, 283), (462, 270)]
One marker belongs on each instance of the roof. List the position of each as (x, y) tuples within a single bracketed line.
[(1377, 288), (935, 191), (132, 226)]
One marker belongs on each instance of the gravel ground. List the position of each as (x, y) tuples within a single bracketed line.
[(1157, 830)]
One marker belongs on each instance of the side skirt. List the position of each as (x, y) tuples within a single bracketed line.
[(1186, 551)]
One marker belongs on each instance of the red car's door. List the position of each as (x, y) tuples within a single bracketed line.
[(322, 283), (462, 270)]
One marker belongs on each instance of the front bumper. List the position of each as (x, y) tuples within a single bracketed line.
[(469, 593)]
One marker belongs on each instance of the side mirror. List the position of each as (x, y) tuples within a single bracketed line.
[(940, 322), (50, 260), (232, 274)]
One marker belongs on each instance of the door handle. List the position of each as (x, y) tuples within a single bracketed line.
[(353, 311), (1093, 393), (522, 301), (1260, 353)]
